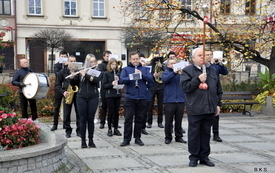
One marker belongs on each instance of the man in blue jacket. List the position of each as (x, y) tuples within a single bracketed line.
[(173, 103), (135, 98), (221, 69)]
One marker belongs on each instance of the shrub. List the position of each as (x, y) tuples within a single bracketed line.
[(17, 133)]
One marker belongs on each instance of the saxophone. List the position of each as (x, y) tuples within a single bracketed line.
[(159, 71), (71, 90)]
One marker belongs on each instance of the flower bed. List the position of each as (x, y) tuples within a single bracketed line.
[(26, 147), (17, 133)]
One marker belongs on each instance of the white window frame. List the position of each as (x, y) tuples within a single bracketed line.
[(97, 11), (35, 7), (70, 7), (4, 9), (187, 4), (224, 4)]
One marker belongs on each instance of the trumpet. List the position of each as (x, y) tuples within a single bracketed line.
[(221, 61)]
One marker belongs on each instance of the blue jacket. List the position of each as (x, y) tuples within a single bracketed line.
[(220, 69), (172, 90), (130, 90)]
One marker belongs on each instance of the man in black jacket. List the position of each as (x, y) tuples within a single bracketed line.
[(202, 104), (103, 68), (57, 94), (17, 80), (62, 85)]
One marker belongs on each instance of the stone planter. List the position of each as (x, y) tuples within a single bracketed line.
[(268, 109), (44, 157)]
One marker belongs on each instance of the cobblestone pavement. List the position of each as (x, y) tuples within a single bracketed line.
[(248, 146)]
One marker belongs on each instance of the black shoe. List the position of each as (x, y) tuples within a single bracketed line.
[(180, 140), (117, 132), (143, 131), (149, 125), (193, 163), (83, 143), (91, 143), (110, 133), (182, 131), (125, 143), (160, 125), (68, 135), (139, 142), (207, 163), (217, 138), (101, 126), (167, 141), (54, 128)]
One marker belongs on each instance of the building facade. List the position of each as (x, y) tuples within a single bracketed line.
[(94, 24)]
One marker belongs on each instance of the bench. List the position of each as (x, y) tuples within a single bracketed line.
[(239, 98)]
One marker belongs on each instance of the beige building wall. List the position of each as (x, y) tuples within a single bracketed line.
[(83, 27)]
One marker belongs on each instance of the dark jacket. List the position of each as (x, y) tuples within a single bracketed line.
[(86, 88), (221, 69), (103, 66), (19, 76), (200, 101), (131, 91), (62, 83), (108, 78), (57, 68), (172, 90)]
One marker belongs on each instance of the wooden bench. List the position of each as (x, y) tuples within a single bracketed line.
[(239, 98)]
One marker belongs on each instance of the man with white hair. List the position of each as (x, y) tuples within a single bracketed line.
[(203, 100), (17, 80)]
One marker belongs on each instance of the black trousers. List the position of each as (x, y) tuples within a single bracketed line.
[(57, 104), (173, 111), (24, 106), (103, 110), (199, 129), (87, 108), (67, 109), (133, 109), (159, 94), (145, 115), (113, 111), (215, 128)]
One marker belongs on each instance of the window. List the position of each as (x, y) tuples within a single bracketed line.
[(225, 7), (35, 7), (70, 7), (140, 13), (5, 7), (250, 7), (99, 8), (187, 4)]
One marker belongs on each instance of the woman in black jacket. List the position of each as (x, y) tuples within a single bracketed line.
[(113, 96), (87, 99)]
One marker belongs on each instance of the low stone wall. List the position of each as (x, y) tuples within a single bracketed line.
[(44, 157)]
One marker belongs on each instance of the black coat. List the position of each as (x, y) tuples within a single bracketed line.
[(19, 76), (86, 88), (108, 78), (201, 101)]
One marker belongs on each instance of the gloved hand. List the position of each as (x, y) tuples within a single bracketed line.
[(21, 84)]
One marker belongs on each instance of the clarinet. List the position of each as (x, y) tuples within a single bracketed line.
[(136, 86), (117, 91)]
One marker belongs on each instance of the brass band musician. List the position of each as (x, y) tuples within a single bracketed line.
[(62, 85)]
